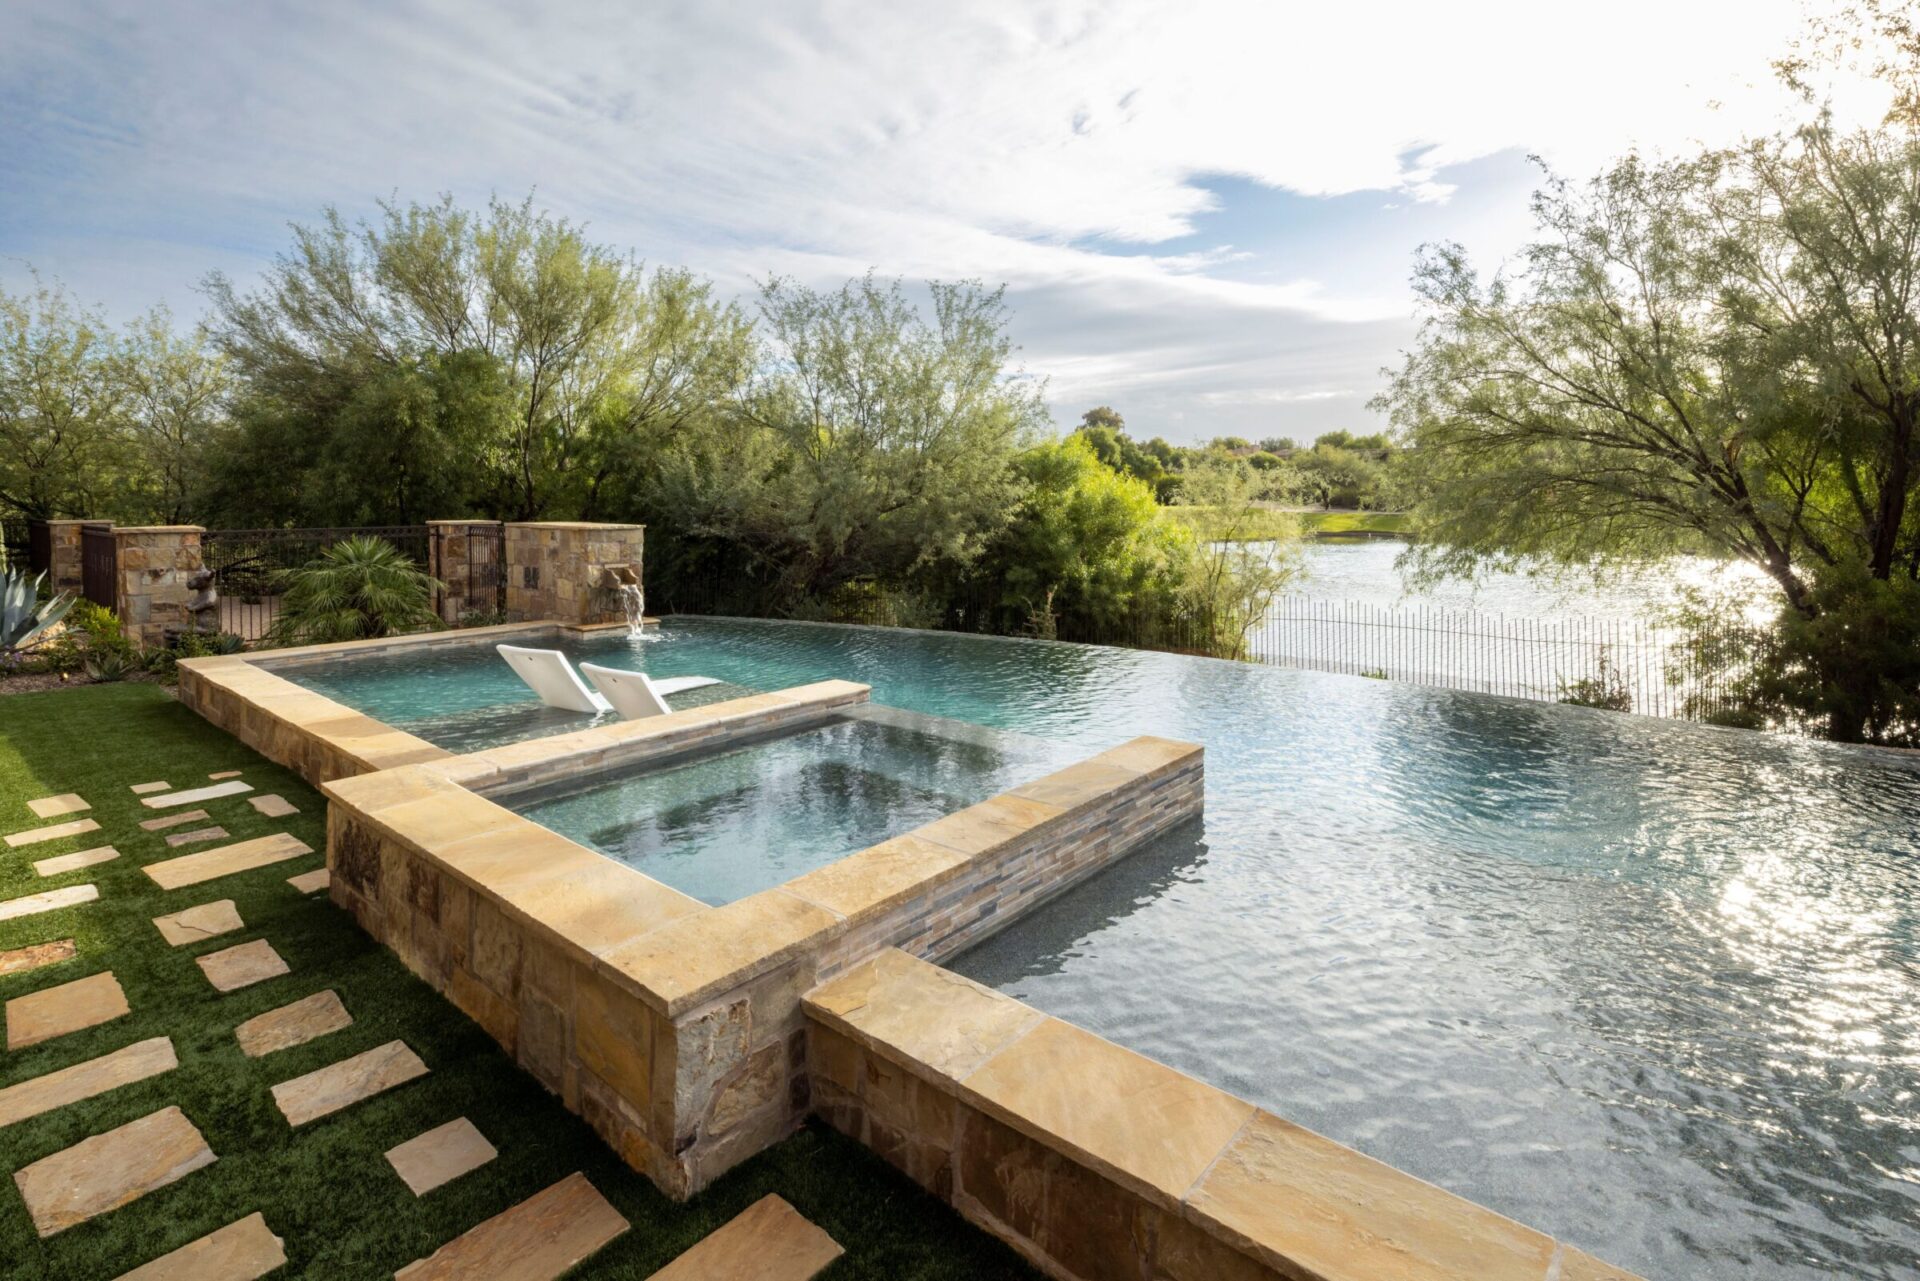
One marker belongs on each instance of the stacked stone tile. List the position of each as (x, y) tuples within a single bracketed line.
[(555, 568)]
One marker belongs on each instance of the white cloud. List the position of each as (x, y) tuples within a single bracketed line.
[(148, 143)]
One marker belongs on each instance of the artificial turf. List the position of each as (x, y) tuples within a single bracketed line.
[(326, 1189)]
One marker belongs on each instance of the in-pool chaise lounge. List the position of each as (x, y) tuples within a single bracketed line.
[(548, 674)]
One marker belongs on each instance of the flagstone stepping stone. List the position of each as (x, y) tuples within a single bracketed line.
[(215, 833), (33, 836), (233, 968), (193, 796), (48, 901), (56, 1011), (767, 1241), (273, 805), (441, 1155), (243, 856), (290, 1025), (145, 789), (536, 1240), (307, 882), (34, 955), (74, 862), (108, 1170), (244, 1250), (124, 1066), (225, 773), (338, 1085), (55, 806), (209, 920), (171, 820)]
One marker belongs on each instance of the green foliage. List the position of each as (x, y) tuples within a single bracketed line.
[(111, 664), (1231, 581), (90, 631), (359, 587), (23, 615), (59, 405), (1606, 689)]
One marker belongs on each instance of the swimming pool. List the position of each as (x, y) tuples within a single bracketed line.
[(722, 824), (1651, 987)]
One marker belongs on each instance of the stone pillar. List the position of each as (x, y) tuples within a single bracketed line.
[(151, 591), (65, 573), (466, 560), (566, 570)]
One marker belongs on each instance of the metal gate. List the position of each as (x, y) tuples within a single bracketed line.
[(39, 546), (252, 567), (99, 564)]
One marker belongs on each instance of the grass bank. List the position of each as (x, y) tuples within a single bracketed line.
[(1276, 525), (326, 1188)]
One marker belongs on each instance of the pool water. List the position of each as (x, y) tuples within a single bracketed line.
[(1648, 986), (721, 825)]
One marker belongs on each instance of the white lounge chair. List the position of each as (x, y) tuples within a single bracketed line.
[(635, 695), (548, 674)]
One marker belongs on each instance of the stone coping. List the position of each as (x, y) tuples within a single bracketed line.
[(1294, 1202), (568, 524)]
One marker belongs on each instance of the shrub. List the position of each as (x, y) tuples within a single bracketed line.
[(358, 588)]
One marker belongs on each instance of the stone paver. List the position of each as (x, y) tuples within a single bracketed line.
[(171, 820), (225, 773), (214, 833), (108, 1170), (243, 856), (441, 1155), (35, 835), (145, 789), (193, 796), (273, 805), (233, 968), (209, 920), (767, 1241), (64, 863), (55, 806), (124, 1066), (291, 1025), (56, 1011), (244, 1250), (34, 955), (338, 1085), (47, 901), (536, 1240), (307, 882)]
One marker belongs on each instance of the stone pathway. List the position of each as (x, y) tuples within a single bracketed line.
[(47, 901), (146, 789), (74, 862), (193, 796), (339, 1085), (171, 820), (767, 1241), (209, 920), (35, 955), (440, 1156), (108, 1170), (291, 1025), (244, 1250), (55, 806), (273, 805), (536, 1240), (243, 856), (225, 773), (214, 833), (307, 882), (35, 835), (56, 1011), (233, 968), (124, 1066)]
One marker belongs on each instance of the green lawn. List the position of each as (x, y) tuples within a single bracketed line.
[(1334, 524), (326, 1189)]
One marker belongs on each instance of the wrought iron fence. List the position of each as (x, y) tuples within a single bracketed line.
[(19, 538), (251, 566)]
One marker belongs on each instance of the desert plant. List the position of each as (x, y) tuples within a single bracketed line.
[(23, 615), (111, 665), (357, 588)]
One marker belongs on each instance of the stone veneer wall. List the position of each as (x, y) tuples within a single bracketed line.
[(151, 592), (467, 561), (1098, 1163), (674, 1029), (553, 569), (65, 573)]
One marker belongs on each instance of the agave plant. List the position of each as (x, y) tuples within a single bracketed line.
[(23, 616), (359, 587)]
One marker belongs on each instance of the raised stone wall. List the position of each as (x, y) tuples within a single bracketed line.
[(65, 574), (467, 561), (556, 569), (151, 592)]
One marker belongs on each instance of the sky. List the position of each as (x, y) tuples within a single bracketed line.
[(1205, 213)]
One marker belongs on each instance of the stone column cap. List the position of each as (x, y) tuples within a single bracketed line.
[(569, 524), (156, 529), (472, 520)]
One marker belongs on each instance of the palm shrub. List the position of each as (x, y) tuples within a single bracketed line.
[(357, 588)]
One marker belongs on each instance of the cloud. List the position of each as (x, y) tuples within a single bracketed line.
[(1061, 146)]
